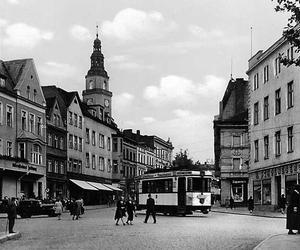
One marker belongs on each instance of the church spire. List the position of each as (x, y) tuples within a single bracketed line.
[(97, 59)]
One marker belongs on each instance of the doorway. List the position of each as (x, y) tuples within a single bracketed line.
[(181, 195)]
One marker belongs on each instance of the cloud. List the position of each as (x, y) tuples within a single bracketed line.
[(131, 24), (13, 1), (121, 101), (80, 33), (148, 119), (57, 69), (179, 90), (24, 36), (3, 23), (127, 62), (201, 33)]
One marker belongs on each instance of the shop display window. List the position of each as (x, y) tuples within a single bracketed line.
[(266, 194), (257, 192)]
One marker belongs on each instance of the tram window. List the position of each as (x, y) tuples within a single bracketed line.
[(198, 185), (157, 186)]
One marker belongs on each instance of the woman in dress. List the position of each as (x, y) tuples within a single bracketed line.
[(120, 211), (58, 208), (130, 208)]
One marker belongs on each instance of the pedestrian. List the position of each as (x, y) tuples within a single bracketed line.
[(130, 208), (231, 203), (293, 211), (78, 208), (73, 208), (282, 203), (11, 214), (150, 209), (251, 205), (58, 207), (120, 211)]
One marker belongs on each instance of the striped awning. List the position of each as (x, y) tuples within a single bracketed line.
[(99, 186), (113, 187), (84, 185)]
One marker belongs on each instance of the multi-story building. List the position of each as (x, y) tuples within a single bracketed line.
[(117, 154), (56, 150), (22, 130), (231, 144), (274, 124)]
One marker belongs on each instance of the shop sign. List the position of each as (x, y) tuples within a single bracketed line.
[(236, 182)]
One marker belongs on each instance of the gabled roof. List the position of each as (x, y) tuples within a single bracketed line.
[(16, 69)]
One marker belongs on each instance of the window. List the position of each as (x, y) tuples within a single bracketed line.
[(266, 108), (266, 192), (70, 141), (101, 114), (255, 81), (70, 118), (2, 82), (28, 92), (55, 166), (290, 94), (115, 144), (9, 148), (93, 138), (23, 120), (277, 102), (61, 143), (277, 66), (50, 140), (93, 162), (34, 95), (257, 192), (1, 112), (22, 153), (79, 166), (75, 120), (87, 160), (31, 123), (255, 113), (277, 143), (75, 142), (36, 154), (290, 53), (9, 116), (101, 163), (49, 166), (80, 144), (108, 165), (55, 141), (108, 143), (87, 136), (236, 140), (256, 151), (101, 141), (39, 125), (266, 147), (80, 122), (236, 163), (115, 166), (62, 168), (266, 73), (290, 139), (198, 184)]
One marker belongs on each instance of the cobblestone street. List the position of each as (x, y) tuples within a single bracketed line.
[(96, 230)]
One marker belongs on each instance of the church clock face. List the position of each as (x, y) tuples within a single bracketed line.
[(106, 103), (91, 84)]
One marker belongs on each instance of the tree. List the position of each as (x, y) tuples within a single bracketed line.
[(182, 160), (292, 31)]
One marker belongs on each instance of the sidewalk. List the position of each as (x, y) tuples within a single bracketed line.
[(245, 211), (280, 242)]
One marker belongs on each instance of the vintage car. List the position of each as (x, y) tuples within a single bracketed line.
[(27, 208)]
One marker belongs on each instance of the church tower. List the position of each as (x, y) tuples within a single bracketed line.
[(96, 94)]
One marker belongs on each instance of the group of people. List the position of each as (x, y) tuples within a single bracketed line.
[(76, 208), (129, 207)]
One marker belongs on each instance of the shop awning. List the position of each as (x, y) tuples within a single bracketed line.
[(113, 188), (99, 186), (84, 185)]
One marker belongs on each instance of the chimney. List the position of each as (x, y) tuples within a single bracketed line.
[(138, 132)]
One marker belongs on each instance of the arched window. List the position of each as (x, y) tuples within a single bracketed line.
[(36, 154), (28, 92)]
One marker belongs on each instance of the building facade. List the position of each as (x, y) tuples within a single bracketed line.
[(274, 124), (22, 131), (56, 176), (231, 144)]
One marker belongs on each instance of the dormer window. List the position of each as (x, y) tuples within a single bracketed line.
[(34, 95), (2, 82), (28, 92)]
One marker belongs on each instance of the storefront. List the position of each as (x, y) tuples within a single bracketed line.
[(239, 190), (266, 186)]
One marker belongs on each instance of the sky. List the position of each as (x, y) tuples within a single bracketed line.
[(169, 61)]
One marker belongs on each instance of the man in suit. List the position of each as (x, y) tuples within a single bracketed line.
[(150, 209), (293, 211), (11, 214)]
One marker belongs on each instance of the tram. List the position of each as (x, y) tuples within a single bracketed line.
[(176, 192)]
